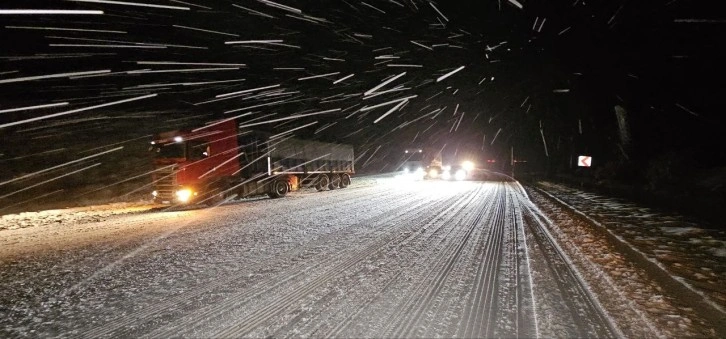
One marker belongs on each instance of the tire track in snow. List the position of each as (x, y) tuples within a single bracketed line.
[(481, 308), (511, 314), (442, 220), (587, 315), (500, 264), (119, 325), (247, 324), (443, 309), (423, 296), (200, 318), (526, 303), (461, 243)]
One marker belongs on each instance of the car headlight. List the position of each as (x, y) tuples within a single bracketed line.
[(184, 195), (446, 175), (467, 165), (460, 175)]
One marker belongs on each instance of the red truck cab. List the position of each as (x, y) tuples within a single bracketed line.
[(188, 162)]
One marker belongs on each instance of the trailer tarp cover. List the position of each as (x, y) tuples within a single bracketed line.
[(292, 153)]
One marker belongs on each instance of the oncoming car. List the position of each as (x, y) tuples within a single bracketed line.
[(451, 172)]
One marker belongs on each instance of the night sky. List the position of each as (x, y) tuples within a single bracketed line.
[(631, 83)]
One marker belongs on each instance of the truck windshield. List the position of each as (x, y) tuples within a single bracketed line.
[(170, 151)]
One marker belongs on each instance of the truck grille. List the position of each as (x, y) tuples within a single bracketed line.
[(165, 182)]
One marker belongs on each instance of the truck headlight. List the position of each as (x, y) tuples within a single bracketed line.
[(467, 165), (183, 195), (433, 173), (460, 175)]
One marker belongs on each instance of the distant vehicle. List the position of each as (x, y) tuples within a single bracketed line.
[(451, 172), (435, 166), (457, 172), (210, 164), (413, 165)]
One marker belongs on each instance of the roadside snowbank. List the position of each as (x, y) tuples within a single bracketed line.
[(692, 256), (102, 212), (77, 215)]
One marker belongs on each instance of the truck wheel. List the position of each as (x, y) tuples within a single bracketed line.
[(220, 194), (322, 183), (334, 182), (279, 189), (215, 199), (344, 180)]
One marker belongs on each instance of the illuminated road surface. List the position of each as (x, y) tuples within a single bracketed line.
[(378, 259)]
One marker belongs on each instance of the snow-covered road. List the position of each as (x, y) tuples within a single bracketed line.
[(378, 259)]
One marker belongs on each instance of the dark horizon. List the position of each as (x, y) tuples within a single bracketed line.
[(633, 85)]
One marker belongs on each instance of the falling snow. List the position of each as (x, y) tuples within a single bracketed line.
[(86, 83)]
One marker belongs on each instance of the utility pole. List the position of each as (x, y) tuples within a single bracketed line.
[(512, 160)]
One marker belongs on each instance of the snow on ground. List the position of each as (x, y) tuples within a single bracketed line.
[(661, 269), (686, 249), (76, 215), (102, 212), (380, 258)]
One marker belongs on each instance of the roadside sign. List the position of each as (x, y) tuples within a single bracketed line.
[(584, 161)]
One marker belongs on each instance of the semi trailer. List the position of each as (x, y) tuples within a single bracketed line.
[(219, 161)]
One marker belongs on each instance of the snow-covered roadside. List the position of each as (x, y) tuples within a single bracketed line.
[(694, 254), (623, 259), (102, 212), (68, 216)]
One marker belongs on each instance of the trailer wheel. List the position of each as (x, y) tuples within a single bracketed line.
[(344, 180), (279, 189), (323, 182), (334, 181)]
